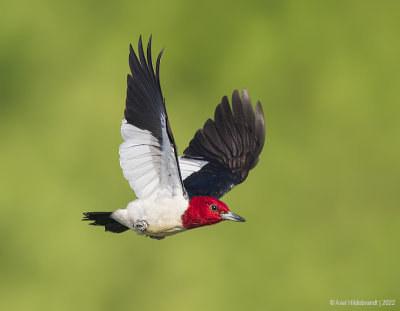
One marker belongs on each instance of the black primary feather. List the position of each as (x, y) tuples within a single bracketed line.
[(231, 144)]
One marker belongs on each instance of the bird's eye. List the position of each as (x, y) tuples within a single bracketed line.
[(214, 208)]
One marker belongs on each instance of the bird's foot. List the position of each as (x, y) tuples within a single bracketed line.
[(156, 237), (141, 225)]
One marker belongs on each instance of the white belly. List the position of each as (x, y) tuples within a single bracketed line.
[(162, 214)]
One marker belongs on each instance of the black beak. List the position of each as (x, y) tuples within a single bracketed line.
[(232, 216)]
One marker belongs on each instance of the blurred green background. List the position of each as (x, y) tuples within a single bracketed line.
[(322, 206)]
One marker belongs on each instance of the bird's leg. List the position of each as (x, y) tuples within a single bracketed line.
[(141, 225), (156, 237)]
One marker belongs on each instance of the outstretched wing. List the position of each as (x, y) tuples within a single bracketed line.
[(220, 155), (148, 156)]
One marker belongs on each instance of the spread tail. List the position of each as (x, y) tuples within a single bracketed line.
[(104, 219)]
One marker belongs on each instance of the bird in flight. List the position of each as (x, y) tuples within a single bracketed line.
[(178, 193)]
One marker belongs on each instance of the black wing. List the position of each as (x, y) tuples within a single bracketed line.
[(148, 156), (220, 155)]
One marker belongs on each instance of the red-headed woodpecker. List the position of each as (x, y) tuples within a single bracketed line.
[(174, 193)]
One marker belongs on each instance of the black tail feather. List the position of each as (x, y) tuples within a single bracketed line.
[(104, 219)]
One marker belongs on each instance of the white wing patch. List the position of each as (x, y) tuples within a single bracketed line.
[(148, 166), (190, 166)]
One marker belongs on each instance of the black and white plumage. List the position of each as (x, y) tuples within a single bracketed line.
[(148, 156), (227, 148), (219, 156)]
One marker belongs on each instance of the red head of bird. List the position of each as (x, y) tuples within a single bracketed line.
[(204, 211)]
